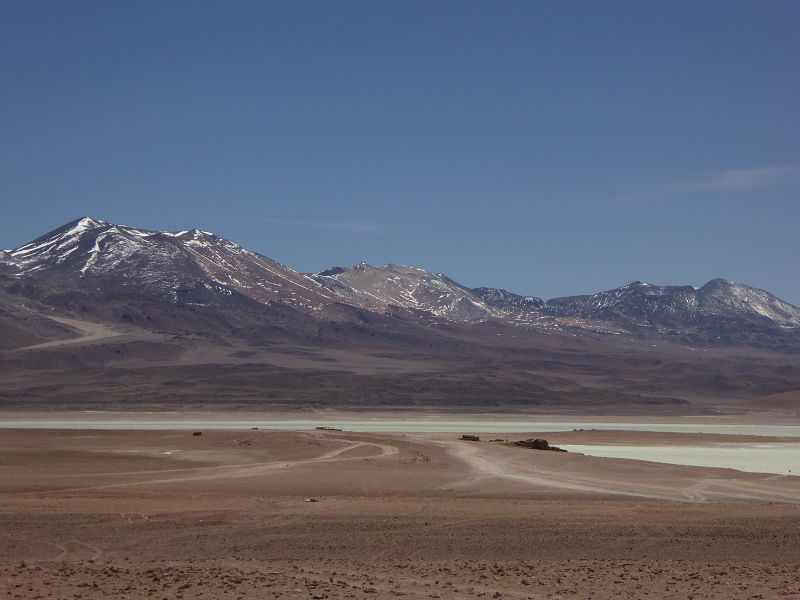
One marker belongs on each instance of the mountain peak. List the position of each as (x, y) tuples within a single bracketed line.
[(407, 287), (77, 226), (88, 221), (715, 304), (331, 271), (194, 266), (720, 281), (727, 287)]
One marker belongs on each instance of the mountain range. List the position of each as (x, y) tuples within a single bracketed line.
[(194, 283)]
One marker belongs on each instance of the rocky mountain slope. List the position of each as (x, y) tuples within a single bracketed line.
[(657, 305), (97, 315), (408, 287), (199, 268), (507, 301), (720, 311), (184, 266)]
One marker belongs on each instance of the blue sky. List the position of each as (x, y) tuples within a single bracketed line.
[(550, 148)]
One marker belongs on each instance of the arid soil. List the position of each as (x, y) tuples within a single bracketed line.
[(264, 514)]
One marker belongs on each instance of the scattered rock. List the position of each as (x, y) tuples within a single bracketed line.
[(537, 444)]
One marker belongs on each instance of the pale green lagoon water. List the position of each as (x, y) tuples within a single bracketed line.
[(782, 459), (763, 458)]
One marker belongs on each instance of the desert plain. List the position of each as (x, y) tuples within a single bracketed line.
[(336, 514)]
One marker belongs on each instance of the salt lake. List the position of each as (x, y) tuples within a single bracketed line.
[(410, 425), (781, 459)]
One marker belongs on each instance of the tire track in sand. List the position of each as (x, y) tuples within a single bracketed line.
[(485, 465), (239, 470)]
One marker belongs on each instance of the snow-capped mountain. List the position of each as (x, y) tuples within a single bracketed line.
[(407, 287), (190, 266), (725, 295), (717, 302), (199, 268), (7, 261)]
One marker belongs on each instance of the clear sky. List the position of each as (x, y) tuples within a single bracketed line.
[(550, 148)]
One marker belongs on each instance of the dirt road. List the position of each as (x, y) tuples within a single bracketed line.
[(88, 332), (303, 515)]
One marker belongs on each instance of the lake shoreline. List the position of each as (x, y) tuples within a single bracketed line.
[(754, 417)]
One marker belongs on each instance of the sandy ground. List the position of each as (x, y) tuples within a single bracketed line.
[(165, 514)]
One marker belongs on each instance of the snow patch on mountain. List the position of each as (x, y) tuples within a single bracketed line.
[(649, 305), (198, 267), (744, 298)]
